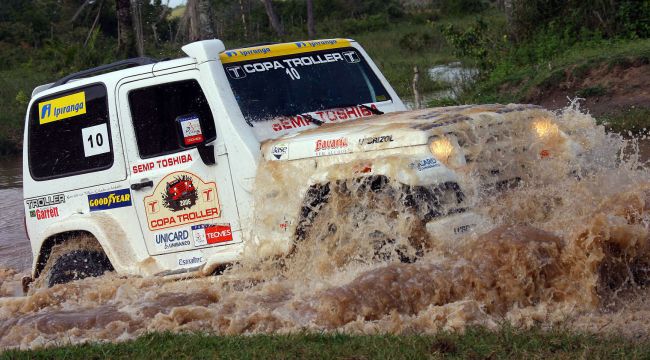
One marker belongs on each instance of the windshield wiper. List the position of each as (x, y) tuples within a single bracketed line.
[(369, 108), (312, 119)]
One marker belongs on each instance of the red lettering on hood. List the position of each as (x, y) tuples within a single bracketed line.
[(331, 144), (331, 115)]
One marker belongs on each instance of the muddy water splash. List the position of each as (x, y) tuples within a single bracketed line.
[(572, 252)]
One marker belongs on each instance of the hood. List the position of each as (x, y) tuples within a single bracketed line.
[(393, 130)]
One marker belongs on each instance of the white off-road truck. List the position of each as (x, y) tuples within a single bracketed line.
[(176, 167)]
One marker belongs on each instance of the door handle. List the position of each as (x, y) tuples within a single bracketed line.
[(142, 185)]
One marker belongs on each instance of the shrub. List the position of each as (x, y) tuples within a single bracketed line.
[(473, 42), (366, 24), (591, 91), (416, 41), (462, 7)]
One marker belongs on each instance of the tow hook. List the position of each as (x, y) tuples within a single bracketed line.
[(26, 281)]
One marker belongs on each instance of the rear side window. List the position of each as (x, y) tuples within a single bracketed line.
[(69, 134), (155, 111)]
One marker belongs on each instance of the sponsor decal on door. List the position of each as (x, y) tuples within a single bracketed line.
[(207, 234), (192, 133), (181, 198), (109, 200)]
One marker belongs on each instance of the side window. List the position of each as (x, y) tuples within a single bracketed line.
[(155, 111), (69, 134)]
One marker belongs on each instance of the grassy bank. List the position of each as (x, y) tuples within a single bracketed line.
[(608, 73), (512, 81), (611, 84), (476, 343)]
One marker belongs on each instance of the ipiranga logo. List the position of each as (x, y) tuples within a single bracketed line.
[(62, 108)]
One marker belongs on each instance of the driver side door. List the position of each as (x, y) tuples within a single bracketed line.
[(184, 204)]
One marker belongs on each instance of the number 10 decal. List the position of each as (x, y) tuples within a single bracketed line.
[(293, 73), (95, 139)]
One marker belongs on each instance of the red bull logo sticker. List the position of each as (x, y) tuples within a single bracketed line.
[(181, 198)]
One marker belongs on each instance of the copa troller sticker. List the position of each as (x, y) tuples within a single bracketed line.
[(181, 198)]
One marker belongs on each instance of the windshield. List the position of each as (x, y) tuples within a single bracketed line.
[(280, 89)]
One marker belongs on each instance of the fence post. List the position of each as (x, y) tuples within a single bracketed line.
[(416, 93)]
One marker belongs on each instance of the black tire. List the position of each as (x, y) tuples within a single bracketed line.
[(78, 264)]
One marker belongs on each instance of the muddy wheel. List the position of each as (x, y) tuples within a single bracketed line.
[(365, 220), (78, 264), (75, 259)]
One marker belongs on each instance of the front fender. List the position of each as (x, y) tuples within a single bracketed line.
[(284, 185)]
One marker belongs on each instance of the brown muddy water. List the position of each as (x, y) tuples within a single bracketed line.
[(15, 251), (569, 251)]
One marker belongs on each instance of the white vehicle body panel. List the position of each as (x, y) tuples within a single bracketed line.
[(392, 145)]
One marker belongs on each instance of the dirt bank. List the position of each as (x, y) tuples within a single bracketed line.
[(610, 88)]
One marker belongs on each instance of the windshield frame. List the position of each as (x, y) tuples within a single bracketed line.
[(373, 80)]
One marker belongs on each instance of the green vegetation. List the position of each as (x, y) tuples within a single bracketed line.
[(552, 47), (39, 42), (524, 53), (475, 343), (511, 81), (177, 12), (633, 120)]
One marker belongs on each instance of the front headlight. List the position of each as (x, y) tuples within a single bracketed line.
[(442, 148), (446, 150), (545, 128)]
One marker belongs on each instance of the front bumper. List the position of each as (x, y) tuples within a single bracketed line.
[(450, 229)]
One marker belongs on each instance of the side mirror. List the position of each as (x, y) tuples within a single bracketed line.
[(191, 134)]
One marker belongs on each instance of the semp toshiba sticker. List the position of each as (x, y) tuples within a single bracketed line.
[(181, 198)]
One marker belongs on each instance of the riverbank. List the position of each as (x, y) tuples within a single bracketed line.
[(610, 77), (475, 343)]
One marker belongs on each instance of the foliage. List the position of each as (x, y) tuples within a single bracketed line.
[(474, 42), (42, 40), (460, 7), (514, 79), (612, 18), (591, 91), (416, 41), (630, 122), (364, 24)]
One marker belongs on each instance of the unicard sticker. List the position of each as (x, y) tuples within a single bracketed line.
[(181, 198)]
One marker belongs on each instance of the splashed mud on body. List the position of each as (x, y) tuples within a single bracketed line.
[(569, 250)]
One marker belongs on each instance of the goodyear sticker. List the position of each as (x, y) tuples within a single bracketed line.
[(62, 108), (299, 47), (109, 200)]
